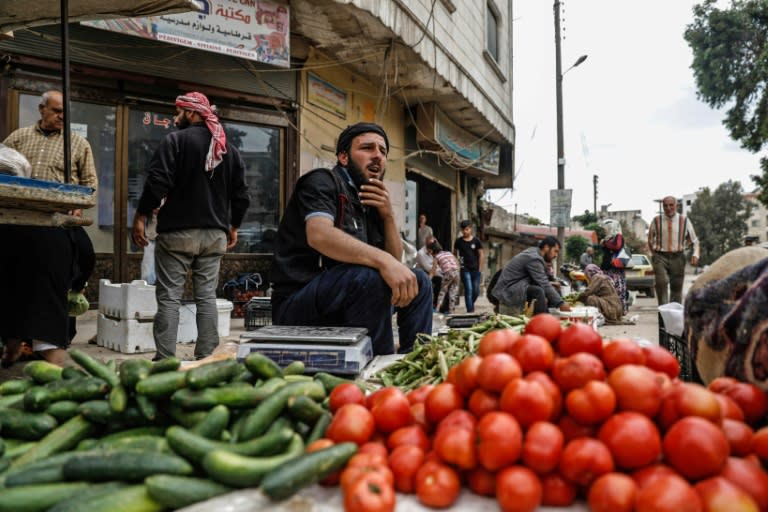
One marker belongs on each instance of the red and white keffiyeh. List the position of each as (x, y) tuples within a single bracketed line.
[(197, 102)]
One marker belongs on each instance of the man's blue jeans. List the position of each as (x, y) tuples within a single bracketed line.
[(357, 296), (471, 281)]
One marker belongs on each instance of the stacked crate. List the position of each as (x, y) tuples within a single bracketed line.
[(126, 314)]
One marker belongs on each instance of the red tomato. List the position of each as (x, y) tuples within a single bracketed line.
[(533, 352), (591, 404), (391, 411), (456, 445), (686, 399), (667, 493), (443, 399), (352, 474), (542, 447), (518, 489), (717, 493), (750, 477), (371, 493), (482, 402), (739, 436), (572, 429), (374, 448), (580, 337), (527, 401), (695, 435), (660, 359), (419, 394), (345, 393), (437, 485), (451, 377), (752, 400), (632, 438), (496, 370), (481, 481), (367, 459), (622, 351), (584, 459), (612, 492), (458, 418), (412, 434), (557, 491), (574, 371), (729, 408), (545, 325), (550, 386), (496, 341), (405, 461), (720, 384), (760, 444), (499, 440), (352, 422), (637, 389), (650, 473), (466, 374), (418, 412), (320, 444)]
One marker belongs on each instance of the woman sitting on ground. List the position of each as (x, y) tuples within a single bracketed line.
[(601, 293)]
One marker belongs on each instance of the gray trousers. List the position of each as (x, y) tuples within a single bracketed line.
[(669, 268), (177, 253)]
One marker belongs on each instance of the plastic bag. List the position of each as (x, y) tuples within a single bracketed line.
[(672, 316), (14, 163), (77, 304), (148, 264)]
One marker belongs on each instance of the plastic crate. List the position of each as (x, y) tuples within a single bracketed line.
[(127, 301), (258, 313), (678, 347)]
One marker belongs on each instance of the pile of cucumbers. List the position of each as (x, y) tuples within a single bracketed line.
[(145, 436)]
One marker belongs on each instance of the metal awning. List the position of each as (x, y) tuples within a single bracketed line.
[(17, 14)]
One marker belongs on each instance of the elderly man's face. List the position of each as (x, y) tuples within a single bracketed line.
[(670, 206), (52, 113)]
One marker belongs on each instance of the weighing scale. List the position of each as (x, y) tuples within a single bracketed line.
[(343, 350)]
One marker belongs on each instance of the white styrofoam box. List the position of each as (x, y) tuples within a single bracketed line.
[(188, 320), (127, 301), (127, 336)]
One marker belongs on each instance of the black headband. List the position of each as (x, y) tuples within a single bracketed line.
[(352, 131)]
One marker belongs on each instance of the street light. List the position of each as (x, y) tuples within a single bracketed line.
[(560, 149)]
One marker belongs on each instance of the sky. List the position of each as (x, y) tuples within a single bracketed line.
[(630, 111)]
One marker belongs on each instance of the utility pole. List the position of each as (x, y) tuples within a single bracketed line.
[(560, 143), (594, 195)]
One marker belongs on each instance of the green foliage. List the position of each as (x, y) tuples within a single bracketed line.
[(586, 219), (533, 221), (730, 65), (597, 228), (720, 219), (575, 246)]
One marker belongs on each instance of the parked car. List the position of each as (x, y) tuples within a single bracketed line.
[(641, 276)]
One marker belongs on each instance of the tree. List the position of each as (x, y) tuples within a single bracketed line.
[(586, 219), (720, 219), (730, 65), (575, 247)]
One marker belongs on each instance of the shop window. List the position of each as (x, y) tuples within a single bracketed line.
[(492, 17)]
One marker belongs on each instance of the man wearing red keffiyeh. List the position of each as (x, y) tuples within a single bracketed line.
[(202, 180)]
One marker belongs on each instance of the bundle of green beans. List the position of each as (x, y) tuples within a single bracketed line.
[(433, 356)]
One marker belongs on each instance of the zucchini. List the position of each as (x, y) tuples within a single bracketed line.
[(161, 385), (15, 386), (63, 410), (194, 447), (230, 395), (242, 471), (210, 374), (304, 409), (181, 491), (95, 367), (214, 423), (258, 421), (71, 372), (168, 364), (73, 503), (42, 371), (133, 370), (131, 498), (123, 465), (63, 438), (307, 469), (34, 498), (294, 368), (30, 426), (262, 366)]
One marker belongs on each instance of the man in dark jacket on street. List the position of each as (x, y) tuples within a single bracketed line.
[(524, 279), (202, 178)]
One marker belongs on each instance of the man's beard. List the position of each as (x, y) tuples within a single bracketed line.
[(182, 123), (359, 176)]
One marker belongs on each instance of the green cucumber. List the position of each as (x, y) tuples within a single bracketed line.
[(35, 498), (63, 438), (71, 372), (73, 503), (210, 374), (214, 423), (320, 426), (152, 430), (331, 381), (63, 410), (133, 370), (181, 491), (37, 399), (304, 409), (97, 411), (95, 367), (258, 421), (307, 469), (15, 386), (78, 389), (42, 371), (15, 448), (30, 426), (146, 406), (231, 395), (2, 447), (187, 419), (243, 471), (294, 368), (123, 465), (12, 401), (161, 385), (144, 443), (118, 398), (168, 364), (131, 498), (262, 366), (194, 447)]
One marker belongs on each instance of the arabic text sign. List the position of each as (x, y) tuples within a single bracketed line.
[(251, 29), (560, 207)]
